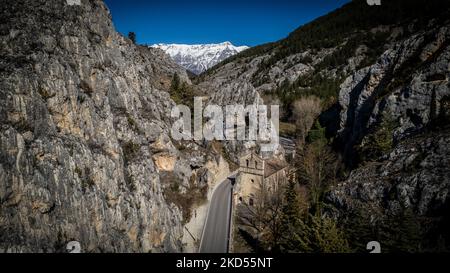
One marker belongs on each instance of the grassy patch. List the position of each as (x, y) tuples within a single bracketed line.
[(130, 150), (129, 181), (45, 94), (85, 176), (219, 148), (86, 87), (287, 129), (132, 122), (195, 193)]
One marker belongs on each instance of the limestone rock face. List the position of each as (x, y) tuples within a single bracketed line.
[(415, 175), (85, 119), (409, 82)]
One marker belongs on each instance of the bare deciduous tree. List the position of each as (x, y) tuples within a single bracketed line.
[(317, 168), (305, 112), (263, 218)]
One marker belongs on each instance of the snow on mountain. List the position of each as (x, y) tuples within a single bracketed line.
[(198, 58)]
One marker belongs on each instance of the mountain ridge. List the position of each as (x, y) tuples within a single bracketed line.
[(197, 58)]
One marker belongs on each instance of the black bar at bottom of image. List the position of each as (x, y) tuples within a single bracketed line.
[(227, 262)]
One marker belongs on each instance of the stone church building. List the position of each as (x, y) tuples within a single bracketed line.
[(256, 172)]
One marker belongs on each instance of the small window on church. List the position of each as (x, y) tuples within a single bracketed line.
[(251, 202), (256, 164), (248, 162), (253, 181)]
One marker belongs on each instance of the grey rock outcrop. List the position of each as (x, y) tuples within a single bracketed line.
[(408, 83), (84, 140), (414, 175)]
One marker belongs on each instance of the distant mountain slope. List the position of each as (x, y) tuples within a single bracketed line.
[(198, 58)]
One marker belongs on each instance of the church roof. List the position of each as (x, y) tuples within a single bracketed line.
[(272, 166)]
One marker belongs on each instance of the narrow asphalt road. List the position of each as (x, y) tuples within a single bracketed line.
[(216, 231)]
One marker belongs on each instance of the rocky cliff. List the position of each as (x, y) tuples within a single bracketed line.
[(409, 88), (409, 83), (85, 151)]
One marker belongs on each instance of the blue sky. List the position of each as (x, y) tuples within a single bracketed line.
[(244, 22)]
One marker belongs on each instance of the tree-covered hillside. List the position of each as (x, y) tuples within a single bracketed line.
[(334, 28)]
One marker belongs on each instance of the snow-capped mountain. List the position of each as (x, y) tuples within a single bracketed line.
[(198, 58)]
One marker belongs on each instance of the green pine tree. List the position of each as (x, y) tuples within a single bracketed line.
[(380, 141), (176, 83), (401, 233), (132, 37), (309, 233), (176, 89), (359, 230), (326, 236), (296, 238)]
